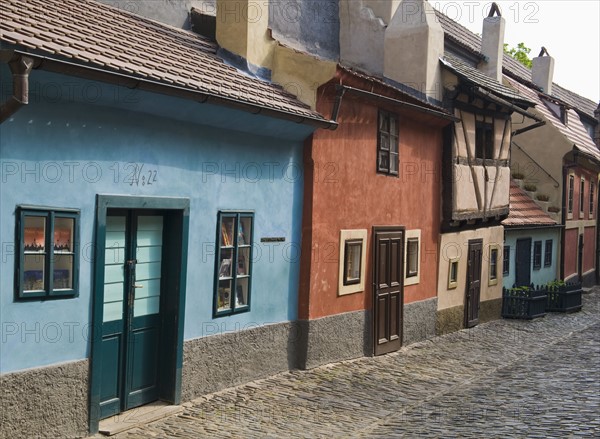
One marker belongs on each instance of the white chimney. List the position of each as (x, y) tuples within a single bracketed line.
[(383, 9), (492, 43), (414, 43), (542, 71)]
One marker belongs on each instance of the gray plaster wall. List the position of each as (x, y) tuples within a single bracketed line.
[(419, 321), (311, 26), (45, 402), (173, 12), (221, 361), (335, 338)]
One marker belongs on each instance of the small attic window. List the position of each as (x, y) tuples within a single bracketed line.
[(559, 110)]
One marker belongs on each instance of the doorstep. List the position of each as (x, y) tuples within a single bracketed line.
[(136, 417)]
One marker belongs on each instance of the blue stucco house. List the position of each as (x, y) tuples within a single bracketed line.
[(532, 241), (150, 217)]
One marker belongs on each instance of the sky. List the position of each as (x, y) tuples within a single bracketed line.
[(570, 31)]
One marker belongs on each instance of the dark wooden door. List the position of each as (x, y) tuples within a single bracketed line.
[(523, 262), (387, 289), (132, 305), (473, 292)]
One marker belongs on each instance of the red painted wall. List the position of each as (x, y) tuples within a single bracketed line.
[(570, 261), (345, 192), (589, 249)]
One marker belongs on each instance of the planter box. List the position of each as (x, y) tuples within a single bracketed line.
[(517, 304), (565, 298)]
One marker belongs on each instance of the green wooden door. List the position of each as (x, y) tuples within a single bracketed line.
[(132, 310)]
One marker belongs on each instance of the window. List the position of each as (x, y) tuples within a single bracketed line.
[(506, 261), (548, 253), (453, 274), (592, 194), (493, 275), (387, 144), (412, 258), (571, 190), (581, 196), (353, 256), (352, 261), (233, 263), (47, 266), (484, 141), (537, 255)]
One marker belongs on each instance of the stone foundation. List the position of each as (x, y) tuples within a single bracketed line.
[(220, 361), (419, 321), (335, 338), (45, 402), (450, 320), (490, 310)]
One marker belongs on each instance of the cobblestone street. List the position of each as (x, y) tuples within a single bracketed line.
[(506, 378)]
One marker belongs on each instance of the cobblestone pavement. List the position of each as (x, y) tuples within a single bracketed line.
[(506, 378)]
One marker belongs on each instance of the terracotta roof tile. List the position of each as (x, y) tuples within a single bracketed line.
[(524, 211), (107, 37)]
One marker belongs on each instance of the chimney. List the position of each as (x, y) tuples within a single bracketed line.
[(242, 29), (383, 9), (542, 71), (414, 43), (492, 43)]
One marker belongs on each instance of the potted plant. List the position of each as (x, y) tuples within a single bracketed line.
[(523, 302), (563, 297)]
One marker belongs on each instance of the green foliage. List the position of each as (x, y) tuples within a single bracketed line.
[(556, 283), (520, 53)]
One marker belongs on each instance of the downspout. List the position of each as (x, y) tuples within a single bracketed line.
[(20, 67)]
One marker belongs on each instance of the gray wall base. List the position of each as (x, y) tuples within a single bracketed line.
[(335, 338), (45, 402), (220, 361), (419, 321)]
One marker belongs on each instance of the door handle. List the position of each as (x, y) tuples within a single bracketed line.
[(138, 286)]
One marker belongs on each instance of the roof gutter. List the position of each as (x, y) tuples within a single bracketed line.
[(382, 98), (20, 67), (132, 82)]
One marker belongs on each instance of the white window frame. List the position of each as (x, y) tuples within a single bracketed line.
[(499, 270), (582, 197), (412, 280), (453, 284), (352, 235)]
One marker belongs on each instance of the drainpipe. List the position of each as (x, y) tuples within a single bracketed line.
[(20, 67)]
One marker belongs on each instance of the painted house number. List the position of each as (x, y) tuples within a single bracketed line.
[(135, 174)]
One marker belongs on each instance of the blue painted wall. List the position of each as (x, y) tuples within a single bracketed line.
[(63, 149), (538, 276), (312, 26)]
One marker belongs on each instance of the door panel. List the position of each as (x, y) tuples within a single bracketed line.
[(473, 290), (132, 293), (387, 289), (523, 262)]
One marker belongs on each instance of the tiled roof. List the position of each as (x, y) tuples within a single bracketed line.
[(105, 37), (478, 78), (524, 211), (463, 37), (573, 130)]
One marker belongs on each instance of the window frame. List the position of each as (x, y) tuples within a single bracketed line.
[(393, 138), (49, 214), (537, 255), (352, 236), (571, 195), (506, 260), (493, 264), (347, 244), (548, 252), (453, 283), (487, 148), (582, 197), (412, 278), (591, 199), (237, 215)]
